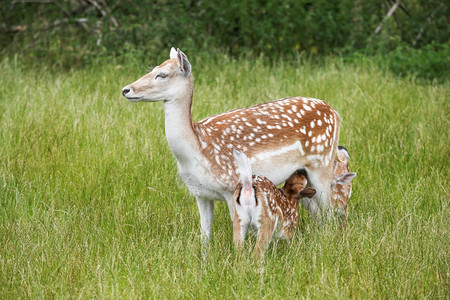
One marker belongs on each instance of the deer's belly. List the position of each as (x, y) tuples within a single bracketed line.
[(278, 164)]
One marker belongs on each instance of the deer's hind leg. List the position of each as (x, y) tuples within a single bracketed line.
[(265, 236), (240, 228)]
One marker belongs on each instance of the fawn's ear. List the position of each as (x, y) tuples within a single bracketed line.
[(185, 65), (307, 192), (345, 178)]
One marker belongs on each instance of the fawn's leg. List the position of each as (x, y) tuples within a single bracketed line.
[(265, 235), (238, 240), (240, 228)]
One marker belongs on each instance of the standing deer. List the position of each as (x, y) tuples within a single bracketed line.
[(259, 204), (279, 137)]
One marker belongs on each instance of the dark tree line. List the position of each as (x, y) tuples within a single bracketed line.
[(76, 30)]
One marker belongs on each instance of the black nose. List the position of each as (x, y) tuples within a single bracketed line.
[(125, 91)]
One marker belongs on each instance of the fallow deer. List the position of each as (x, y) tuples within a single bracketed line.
[(341, 186), (259, 204), (279, 137)]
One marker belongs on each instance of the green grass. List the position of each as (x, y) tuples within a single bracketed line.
[(91, 205)]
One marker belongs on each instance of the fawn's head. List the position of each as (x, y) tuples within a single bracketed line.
[(168, 81), (295, 186), (341, 188)]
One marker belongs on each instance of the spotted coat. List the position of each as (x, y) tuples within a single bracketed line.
[(310, 125)]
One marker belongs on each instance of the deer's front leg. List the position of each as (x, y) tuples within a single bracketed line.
[(206, 209)]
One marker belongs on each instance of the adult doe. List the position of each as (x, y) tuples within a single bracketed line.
[(279, 137)]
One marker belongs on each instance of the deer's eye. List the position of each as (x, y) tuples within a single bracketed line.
[(161, 75)]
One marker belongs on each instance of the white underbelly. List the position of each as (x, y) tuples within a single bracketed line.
[(279, 164)]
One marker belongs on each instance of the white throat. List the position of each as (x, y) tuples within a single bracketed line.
[(180, 134)]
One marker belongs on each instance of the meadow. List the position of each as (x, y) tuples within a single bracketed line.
[(91, 205)]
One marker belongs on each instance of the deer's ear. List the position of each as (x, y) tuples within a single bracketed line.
[(185, 65), (173, 53), (307, 192), (345, 178)]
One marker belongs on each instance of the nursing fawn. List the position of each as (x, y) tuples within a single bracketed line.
[(341, 186), (259, 204)]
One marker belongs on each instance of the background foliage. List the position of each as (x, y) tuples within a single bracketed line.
[(70, 33)]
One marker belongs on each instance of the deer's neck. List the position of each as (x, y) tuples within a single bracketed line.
[(180, 133)]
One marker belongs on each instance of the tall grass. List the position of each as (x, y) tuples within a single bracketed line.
[(91, 205)]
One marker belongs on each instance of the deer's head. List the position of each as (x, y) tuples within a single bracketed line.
[(295, 187), (168, 81)]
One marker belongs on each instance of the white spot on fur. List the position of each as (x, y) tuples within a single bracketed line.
[(259, 121)]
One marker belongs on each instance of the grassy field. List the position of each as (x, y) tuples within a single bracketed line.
[(91, 205)]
